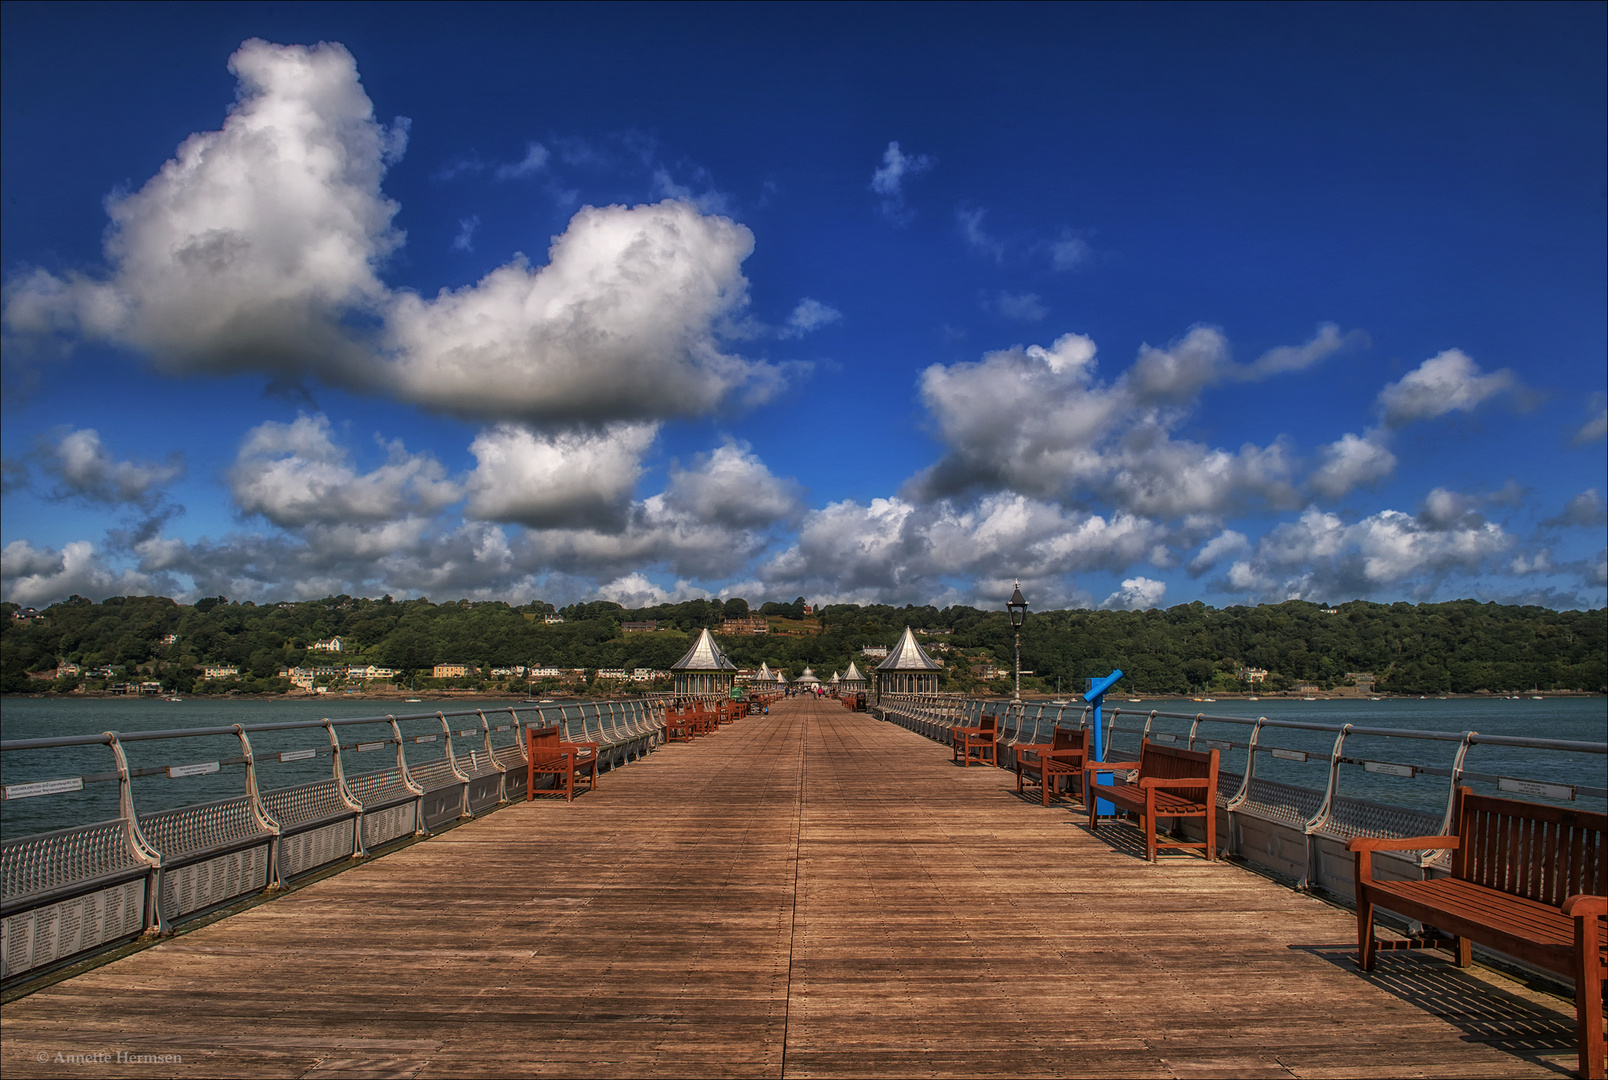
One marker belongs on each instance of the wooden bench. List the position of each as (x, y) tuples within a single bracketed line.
[(979, 738), (1047, 763), (547, 754), (1527, 880), (1171, 783), (680, 725)]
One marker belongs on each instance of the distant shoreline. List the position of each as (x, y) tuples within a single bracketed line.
[(485, 695)]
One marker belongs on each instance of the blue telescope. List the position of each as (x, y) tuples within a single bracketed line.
[(1095, 695)]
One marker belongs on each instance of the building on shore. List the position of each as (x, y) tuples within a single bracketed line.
[(908, 669)]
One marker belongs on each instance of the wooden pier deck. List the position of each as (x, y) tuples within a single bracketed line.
[(813, 893)]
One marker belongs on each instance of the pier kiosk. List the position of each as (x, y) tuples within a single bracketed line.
[(1095, 695), (704, 671), (908, 669)]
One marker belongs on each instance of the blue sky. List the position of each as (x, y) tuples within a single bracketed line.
[(1140, 304)]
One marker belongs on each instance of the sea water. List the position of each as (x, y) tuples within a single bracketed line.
[(1575, 719)]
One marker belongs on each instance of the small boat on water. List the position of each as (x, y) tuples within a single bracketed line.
[(1210, 699), (1135, 700), (1309, 699), (172, 699), (410, 701)]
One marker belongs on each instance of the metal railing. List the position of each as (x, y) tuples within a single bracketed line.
[(1372, 778), (153, 854)]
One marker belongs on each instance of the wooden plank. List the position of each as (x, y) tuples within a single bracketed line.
[(774, 900)]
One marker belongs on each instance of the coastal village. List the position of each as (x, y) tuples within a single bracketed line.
[(788, 641)]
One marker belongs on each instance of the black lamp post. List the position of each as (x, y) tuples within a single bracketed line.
[(1017, 606)]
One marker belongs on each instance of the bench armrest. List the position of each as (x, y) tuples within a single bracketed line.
[(1401, 843), (1178, 782), (1064, 755), (1585, 905), (1113, 766), (592, 746)]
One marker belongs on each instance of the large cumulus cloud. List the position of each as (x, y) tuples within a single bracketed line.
[(259, 247)]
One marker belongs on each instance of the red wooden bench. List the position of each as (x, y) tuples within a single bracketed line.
[(679, 726), (979, 738), (547, 754), (1047, 763), (1527, 880), (1172, 783)]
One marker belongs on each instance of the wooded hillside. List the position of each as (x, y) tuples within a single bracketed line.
[(1462, 646)]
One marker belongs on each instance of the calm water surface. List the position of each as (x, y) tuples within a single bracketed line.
[(1580, 719)]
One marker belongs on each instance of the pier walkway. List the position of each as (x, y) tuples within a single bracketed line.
[(813, 893)]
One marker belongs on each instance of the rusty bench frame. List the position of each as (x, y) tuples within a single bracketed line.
[(1164, 772), (1064, 756), (547, 754), (1527, 879)]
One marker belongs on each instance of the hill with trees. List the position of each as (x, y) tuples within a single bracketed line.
[(1463, 646)]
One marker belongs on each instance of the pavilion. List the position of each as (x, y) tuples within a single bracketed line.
[(908, 669), (704, 670)]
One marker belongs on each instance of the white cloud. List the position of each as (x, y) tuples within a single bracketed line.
[(465, 240), (1224, 545), (1021, 307), (1585, 509), (1447, 381), (1137, 594), (33, 576), (1593, 429), (1179, 372), (977, 238), (247, 249), (1352, 462), (733, 488), (810, 315), (534, 161), (258, 248), (546, 479), (1035, 420), (294, 475), (1445, 509), (620, 324), (889, 177), (1320, 555), (1324, 344), (636, 591), (894, 550), (87, 470), (1068, 251)]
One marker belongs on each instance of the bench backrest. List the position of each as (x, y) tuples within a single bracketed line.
[(1071, 739), (988, 724), (1174, 763), (1539, 852), (542, 743)]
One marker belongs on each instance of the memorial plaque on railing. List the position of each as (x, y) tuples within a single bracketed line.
[(297, 755), (41, 787), (1390, 768), (1537, 789), (466, 733), (363, 747), (424, 738), (200, 768), (1162, 736), (1215, 744)]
